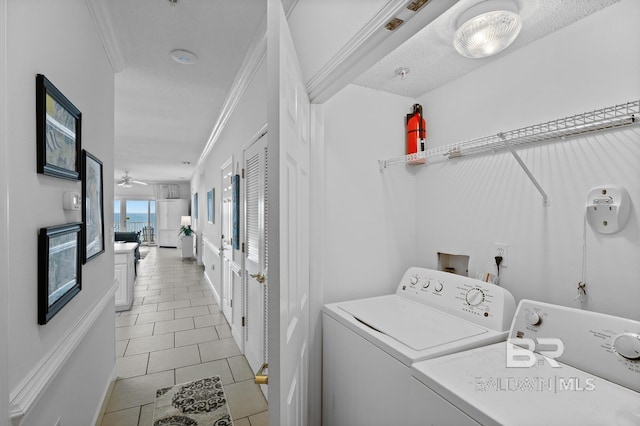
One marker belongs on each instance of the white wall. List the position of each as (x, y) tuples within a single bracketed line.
[(466, 205), (57, 39), (370, 216)]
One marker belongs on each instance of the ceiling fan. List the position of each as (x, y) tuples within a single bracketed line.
[(127, 181)]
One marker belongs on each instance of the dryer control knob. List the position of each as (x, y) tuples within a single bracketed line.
[(439, 286), (532, 318), (627, 345), (414, 280)]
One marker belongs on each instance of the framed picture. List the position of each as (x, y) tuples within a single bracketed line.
[(92, 207), (58, 128), (195, 206), (211, 217), (59, 268), (235, 187)]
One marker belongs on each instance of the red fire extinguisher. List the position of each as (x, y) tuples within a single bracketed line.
[(416, 132)]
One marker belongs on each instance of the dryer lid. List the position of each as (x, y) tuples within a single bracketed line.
[(416, 326)]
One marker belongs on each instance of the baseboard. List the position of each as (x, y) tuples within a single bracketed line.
[(213, 289), (106, 396), (31, 388)]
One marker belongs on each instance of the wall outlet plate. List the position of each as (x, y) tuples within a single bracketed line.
[(501, 249)]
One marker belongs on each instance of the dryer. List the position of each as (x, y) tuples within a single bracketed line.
[(370, 344), (560, 366)]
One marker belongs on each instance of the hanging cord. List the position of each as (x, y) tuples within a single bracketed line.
[(582, 285)]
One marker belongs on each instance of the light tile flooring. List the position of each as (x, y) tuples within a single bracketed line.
[(175, 333)]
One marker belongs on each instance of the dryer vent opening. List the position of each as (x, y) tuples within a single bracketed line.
[(454, 263)]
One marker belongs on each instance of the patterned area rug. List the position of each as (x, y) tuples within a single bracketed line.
[(198, 403)]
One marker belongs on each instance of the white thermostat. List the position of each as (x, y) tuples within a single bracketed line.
[(608, 208), (71, 201)]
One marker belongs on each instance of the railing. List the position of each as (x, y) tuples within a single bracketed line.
[(147, 234)]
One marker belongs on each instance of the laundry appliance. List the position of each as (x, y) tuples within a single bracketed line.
[(560, 366), (370, 344)]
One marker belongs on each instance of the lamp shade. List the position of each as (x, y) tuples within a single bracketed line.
[(484, 32), (185, 220)]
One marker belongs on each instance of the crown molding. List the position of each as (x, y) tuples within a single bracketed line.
[(252, 61), (370, 44), (102, 19)]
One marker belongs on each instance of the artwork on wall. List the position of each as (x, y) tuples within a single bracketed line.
[(235, 184), (195, 206), (92, 207), (211, 217), (58, 132), (59, 268)]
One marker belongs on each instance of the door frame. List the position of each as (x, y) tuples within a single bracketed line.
[(4, 226), (224, 296)]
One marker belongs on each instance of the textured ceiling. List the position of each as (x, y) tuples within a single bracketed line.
[(165, 111), (433, 61)]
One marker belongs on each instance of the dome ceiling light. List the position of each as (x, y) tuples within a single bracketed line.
[(184, 57), (487, 28)]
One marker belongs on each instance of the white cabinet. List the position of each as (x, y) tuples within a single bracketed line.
[(124, 269), (168, 213), (187, 245)]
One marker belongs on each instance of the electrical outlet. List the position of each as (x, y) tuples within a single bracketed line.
[(501, 249)]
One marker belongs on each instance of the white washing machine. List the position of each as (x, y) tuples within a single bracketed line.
[(583, 369), (370, 344)]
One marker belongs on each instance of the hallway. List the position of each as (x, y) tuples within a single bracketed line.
[(175, 333)]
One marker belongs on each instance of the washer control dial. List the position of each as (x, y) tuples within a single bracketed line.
[(413, 280), (439, 286), (474, 296), (532, 318), (627, 345), (426, 284)]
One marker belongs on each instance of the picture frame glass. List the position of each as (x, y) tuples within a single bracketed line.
[(92, 207), (210, 205), (62, 266)]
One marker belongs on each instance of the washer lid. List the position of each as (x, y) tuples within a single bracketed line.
[(481, 385), (415, 325)]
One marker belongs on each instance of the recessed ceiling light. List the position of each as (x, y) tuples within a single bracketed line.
[(186, 162), (184, 57)]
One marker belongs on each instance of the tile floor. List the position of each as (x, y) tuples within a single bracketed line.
[(175, 333)]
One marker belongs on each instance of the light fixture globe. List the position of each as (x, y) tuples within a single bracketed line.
[(485, 32)]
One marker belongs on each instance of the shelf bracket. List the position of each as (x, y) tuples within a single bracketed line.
[(545, 197)]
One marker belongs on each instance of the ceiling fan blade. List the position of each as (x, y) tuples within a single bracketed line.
[(138, 182)]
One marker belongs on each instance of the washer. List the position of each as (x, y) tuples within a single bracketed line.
[(560, 366), (370, 344)]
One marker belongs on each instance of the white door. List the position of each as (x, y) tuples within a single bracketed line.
[(255, 276), (226, 248), (288, 224)]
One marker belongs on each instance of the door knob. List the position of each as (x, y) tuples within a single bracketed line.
[(259, 277), (262, 378)]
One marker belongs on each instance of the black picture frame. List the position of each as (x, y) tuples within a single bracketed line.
[(58, 132), (92, 207), (59, 268), (235, 187)]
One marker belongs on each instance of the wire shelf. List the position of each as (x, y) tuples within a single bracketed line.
[(588, 122)]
